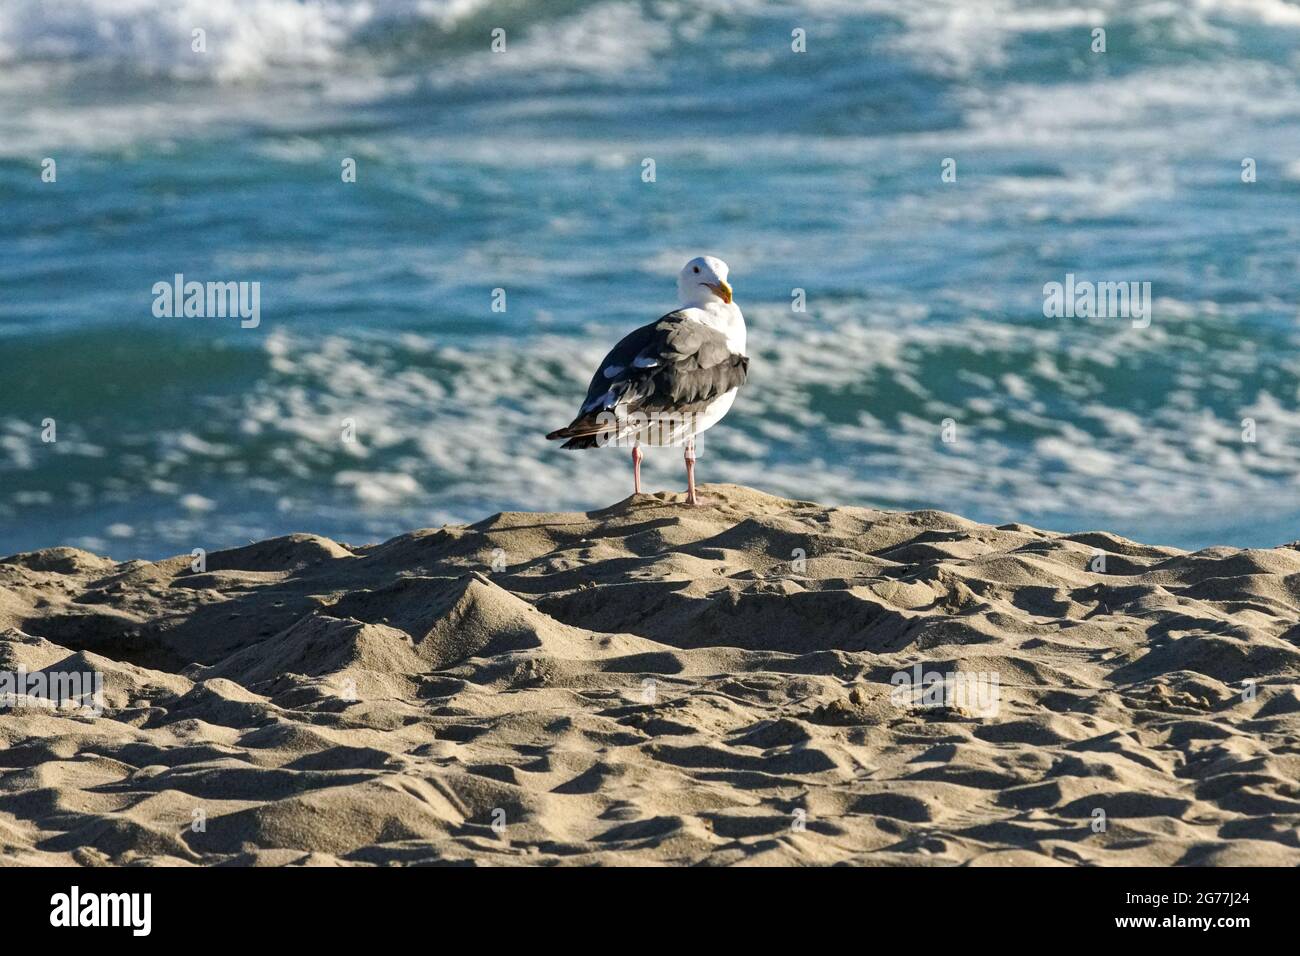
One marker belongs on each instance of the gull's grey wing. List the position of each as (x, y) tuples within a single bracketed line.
[(673, 364)]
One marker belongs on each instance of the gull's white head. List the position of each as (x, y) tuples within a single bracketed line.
[(703, 280)]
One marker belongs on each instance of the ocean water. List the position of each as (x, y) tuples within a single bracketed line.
[(522, 170)]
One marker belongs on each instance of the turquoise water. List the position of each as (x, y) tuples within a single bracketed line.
[(522, 171)]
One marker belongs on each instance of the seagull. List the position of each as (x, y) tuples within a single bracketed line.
[(668, 381)]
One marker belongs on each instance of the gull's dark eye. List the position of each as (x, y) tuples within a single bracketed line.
[(697, 270)]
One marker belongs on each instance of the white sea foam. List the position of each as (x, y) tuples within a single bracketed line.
[(958, 37), (289, 63), (244, 37), (250, 37), (434, 445)]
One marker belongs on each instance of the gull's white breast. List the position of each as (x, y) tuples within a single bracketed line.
[(726, 318)]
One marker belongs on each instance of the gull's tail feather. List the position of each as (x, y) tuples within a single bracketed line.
[(581, 433)]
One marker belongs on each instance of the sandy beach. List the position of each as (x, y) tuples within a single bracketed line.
[(658, 684)]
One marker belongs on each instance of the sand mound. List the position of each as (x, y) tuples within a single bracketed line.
[(758, 680)]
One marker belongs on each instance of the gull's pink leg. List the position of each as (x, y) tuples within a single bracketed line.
[(691, 498), (636, 469)]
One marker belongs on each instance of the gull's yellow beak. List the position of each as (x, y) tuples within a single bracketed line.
[(722, 291)]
